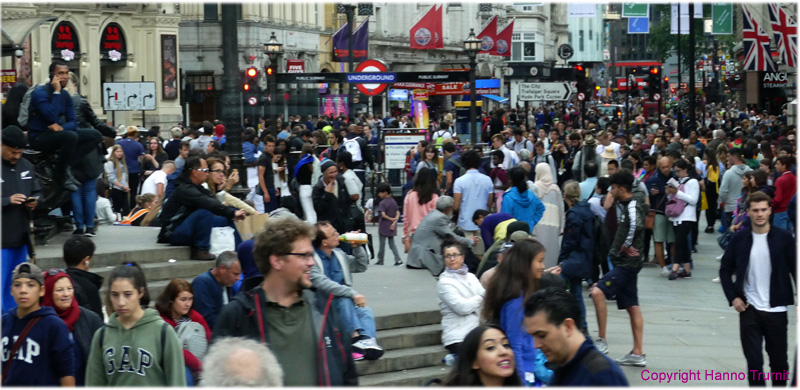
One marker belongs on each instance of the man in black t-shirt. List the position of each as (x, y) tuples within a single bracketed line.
[(266, 176)]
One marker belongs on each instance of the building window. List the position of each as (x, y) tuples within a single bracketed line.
[(523, 47), (569, 37), (210, 11), (580, 40), (201, 82), (590, 34)]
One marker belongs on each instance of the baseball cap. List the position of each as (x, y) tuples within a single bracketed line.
[(28, 270)]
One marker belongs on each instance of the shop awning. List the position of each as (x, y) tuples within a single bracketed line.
[(15, 31), (496, 98)]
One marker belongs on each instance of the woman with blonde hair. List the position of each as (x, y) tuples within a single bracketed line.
[(116, 170), (144, 204)]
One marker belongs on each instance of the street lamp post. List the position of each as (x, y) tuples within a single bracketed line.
[(231, 96), (273, 49), (472, 46)]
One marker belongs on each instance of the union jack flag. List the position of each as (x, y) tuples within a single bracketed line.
[(756, 44), (784, 28)]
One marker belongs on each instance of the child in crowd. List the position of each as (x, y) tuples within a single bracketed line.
[(388, 215), (105, 214), (37, 350)]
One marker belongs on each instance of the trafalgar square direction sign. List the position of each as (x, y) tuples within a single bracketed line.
[(544, 91), (138, 96)]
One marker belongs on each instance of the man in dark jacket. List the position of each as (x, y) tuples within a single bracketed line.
[(552, 317), (764, 264), (191, 211), (283, 313), (78, 252), (20, 191), (575, 258), (331, 200)]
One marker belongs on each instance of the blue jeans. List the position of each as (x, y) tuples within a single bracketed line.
[(575, 289), (781, 220), (84, 202), (196, 230), (355, 318), (12, 257), (273, 201)]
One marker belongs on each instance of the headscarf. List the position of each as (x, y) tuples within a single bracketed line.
[(544, 180), (71, 314), (219, 130), (309, 158)]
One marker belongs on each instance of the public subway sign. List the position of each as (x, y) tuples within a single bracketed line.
[(775, 80), (65, 37), (370, 77), (112, 43)]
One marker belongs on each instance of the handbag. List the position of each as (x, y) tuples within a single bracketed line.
[(674, 206), (250, 225), (724, 239), (650, 219), (192, 336)]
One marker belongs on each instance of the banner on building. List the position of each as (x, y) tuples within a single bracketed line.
[(635, 10), (638, 26), (295, 66), (427, 32), (421, 120), (502, 47), (360, 43), (784, 29), (722, 19), (684, 22), (488, 36), (582, 10)]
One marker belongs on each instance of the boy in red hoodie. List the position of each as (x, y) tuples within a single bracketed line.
[(785, 188)]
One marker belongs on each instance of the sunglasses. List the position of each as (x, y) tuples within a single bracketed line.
[(56, 271), (201, 169)]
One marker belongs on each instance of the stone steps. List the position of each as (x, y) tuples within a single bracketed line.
[(407, 378)]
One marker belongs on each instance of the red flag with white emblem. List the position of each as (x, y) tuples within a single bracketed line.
[(427, 32), (488, 36), (502, 46)]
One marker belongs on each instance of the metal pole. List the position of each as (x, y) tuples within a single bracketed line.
[(231, 96), (692, 102), (350, 59), (678, 106), (273, 99), (473, 128), (143, 125)]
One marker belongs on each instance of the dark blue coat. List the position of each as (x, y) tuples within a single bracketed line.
[(45, 356), (576, 246), (47, 107), (589, 367), (782, 256), (208, 297)]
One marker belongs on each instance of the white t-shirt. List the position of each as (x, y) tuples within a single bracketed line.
[(759, 271), (150, 185), (600, 149)]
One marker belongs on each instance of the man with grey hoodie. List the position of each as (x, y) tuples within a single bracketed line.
[(731, 186)]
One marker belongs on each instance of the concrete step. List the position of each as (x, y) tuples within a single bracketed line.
[(403, 359), (165, 270), (417, 336), (408, 319), (155, 287), (411, 378), (145, 255)]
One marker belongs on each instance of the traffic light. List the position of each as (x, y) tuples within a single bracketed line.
[(654, 81), (580, 78), (271, 73), (252, 72), (665, 85)]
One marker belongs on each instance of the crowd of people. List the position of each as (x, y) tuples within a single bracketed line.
[(511, 232)]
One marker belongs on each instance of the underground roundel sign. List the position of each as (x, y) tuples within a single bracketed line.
[(371, 66)]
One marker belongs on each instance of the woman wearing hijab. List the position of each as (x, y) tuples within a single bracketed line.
[(81, 322), (548, 230)]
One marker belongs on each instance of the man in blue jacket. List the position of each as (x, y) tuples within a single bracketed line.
[(552, 317), (53, 126), (212, 289), (764, 263)]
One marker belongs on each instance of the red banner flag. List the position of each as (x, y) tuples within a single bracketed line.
[(502, 46), (488, 36), (427, 32)]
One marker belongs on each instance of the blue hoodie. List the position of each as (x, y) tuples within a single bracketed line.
[(524, 207), (45, 356)]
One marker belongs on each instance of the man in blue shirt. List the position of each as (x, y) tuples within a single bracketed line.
[(471, 192), (331, 274), (53, 126), (552, 316), (133, 153), (588, 185)]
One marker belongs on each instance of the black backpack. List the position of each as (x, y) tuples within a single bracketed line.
[(602, 243)]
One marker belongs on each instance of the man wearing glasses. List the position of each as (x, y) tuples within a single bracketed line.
[(285, 314), (189, 209)]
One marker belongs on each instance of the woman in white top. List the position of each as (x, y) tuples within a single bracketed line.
[(460, 297), (687, 191), (279, 172)]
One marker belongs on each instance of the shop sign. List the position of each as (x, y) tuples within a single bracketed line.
[(64, 43), (112, 43), (775, 80), (420, 94), (295, 66)]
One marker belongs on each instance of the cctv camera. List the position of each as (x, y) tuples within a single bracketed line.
[(18, 53)]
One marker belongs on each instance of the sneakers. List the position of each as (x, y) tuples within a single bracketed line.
[(665, 271), (369, 347), (357, 356), (601, 345), (379, 262), (78, 232), (715, 280), (398, 263), (685, 275), (720, 256), (632, 360), (91, 232), (674, 275), (710, 229)]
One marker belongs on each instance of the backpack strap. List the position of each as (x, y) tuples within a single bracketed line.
[(22, 336), (260, 318)]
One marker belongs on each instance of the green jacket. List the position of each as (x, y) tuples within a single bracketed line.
[(136, 356), (630, 231)]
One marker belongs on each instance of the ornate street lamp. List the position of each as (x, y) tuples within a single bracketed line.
[(274, 50), (472, 46)]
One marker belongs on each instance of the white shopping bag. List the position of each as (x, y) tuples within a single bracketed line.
[(222, 240)]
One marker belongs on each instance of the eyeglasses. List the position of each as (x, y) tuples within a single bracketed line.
[(218, 171), (201, 169), (306, 255), (56, 271), (453, 256)]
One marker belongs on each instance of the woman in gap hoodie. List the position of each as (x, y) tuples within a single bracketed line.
[(136, 347), (44, 356)]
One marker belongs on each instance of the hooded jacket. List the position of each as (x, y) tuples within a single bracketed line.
[(575, 257), (334, 357), (45, 356), (17, 179), (186, 199), (134, 357), (523, 206), (87, 289), (731, 186)]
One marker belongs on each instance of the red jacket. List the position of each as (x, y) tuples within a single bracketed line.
[(192, 362), (785, 187)]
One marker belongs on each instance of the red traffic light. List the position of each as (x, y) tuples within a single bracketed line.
[(252, 72), (270, 71), (578, 68), (654, 70), (666, 79), (247, 87)]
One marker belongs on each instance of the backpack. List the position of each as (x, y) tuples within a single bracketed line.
[(192, 336), (439, 135), (354, 148), (675, 206), (461, 170), (602, 242), (24, 107)]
